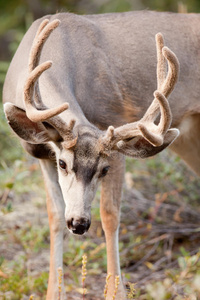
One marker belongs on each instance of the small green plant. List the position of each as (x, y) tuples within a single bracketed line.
[(106, 285), (60, 276), (132, 291), (84, 273), (116, 286)]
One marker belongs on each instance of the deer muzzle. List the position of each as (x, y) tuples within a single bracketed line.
[(78, 226)]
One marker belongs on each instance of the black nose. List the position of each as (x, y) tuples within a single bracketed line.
[(78, 226)]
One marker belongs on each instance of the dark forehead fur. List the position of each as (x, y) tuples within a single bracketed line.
[(86, 156)]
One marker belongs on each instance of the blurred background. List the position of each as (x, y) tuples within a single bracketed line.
[(159, 233)]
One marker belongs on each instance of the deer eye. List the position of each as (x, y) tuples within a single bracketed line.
[(104, 171), (62, 164)]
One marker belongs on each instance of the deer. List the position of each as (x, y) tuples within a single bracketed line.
[(78, 96)]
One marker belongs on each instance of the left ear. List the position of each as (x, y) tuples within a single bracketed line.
[(139, 147), (29, 131)]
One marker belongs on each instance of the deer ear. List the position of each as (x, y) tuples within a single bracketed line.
[(34, 133), (139, 147)]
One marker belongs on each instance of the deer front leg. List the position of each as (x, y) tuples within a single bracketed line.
[(110, 216), (55, 209)]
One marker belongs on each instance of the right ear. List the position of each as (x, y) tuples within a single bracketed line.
[(31, 132)]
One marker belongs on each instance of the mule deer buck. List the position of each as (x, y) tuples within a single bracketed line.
[(88, 109)]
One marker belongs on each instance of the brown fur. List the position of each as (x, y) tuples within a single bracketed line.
[(104, 66)]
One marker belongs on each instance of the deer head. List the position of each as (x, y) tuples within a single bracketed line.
[(82, 151)]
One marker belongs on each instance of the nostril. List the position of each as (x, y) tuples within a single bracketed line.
[(70, 223), (79, 226), (79, 229)]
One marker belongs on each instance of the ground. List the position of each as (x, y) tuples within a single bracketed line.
[(159, 235)]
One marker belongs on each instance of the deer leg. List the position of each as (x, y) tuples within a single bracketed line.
[(55, 209), (110, 217)]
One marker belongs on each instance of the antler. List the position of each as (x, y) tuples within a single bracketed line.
[(146, 127), (35, 109)]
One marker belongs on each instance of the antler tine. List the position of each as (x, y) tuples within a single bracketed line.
[(161, 64), (165, 85), (173, 71), (41, 27), (156, 136), (41, 36), (38, 99), (166, 81), (165, 111), (35, 72), (32, 113)]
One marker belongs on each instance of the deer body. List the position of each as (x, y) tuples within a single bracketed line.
[(100, 46), (104, 68)]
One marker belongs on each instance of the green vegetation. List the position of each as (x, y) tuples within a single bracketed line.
[(159, 233)]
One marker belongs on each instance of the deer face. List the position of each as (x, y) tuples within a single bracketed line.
[(80, 169)]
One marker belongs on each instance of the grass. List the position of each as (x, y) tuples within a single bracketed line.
[(31, 239), (186, 277)]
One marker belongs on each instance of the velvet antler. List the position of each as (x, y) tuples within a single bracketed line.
[(146, 127), (36, 110)]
